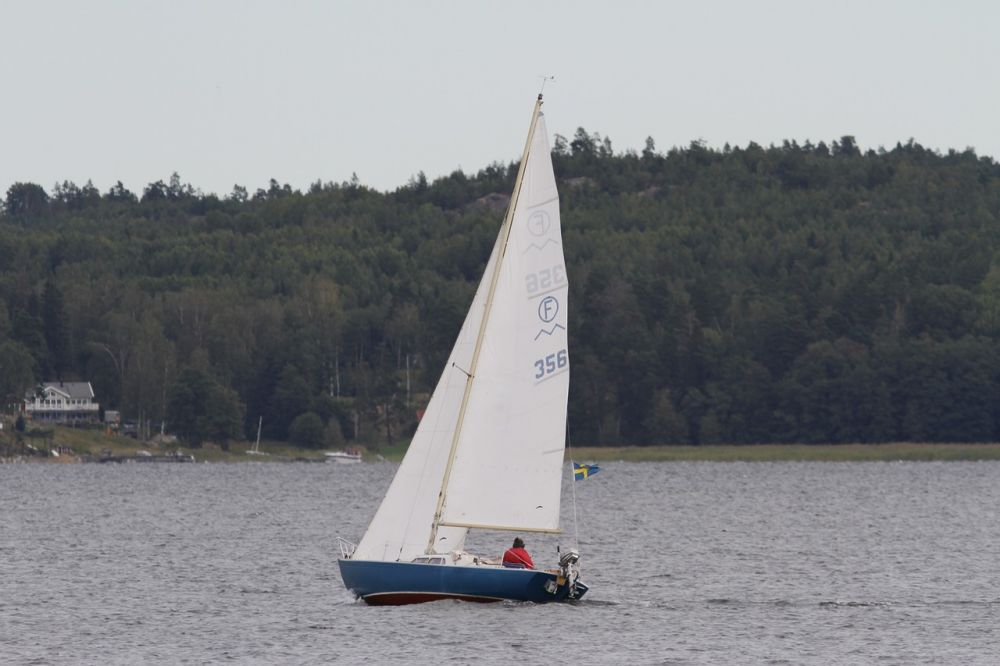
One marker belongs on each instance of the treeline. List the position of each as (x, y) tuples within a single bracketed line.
[(812, 293)]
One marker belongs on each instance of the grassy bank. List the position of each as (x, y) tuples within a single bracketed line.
[(773, 452), (794, 452), (93, 442)]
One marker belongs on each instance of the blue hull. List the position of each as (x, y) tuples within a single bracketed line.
[(395, 583)]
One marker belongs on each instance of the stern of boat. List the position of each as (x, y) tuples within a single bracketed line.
[(567, 584)]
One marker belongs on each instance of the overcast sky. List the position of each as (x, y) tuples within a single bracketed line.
[(238, 92)]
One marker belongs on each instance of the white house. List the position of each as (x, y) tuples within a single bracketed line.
[(63, 402)]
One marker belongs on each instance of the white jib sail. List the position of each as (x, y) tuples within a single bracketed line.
[(507, 467), (403, 521)]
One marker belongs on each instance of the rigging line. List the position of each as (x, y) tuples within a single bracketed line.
[(572, 480), (545, 79)]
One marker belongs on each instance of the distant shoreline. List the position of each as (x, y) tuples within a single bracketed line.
[(89, 444), (889, 452)]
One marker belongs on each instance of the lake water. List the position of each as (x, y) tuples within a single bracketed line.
[(688, 563)]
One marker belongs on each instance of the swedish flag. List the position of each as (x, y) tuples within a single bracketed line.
[(581, 472)]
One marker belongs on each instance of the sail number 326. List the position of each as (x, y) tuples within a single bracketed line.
[(551, 363)]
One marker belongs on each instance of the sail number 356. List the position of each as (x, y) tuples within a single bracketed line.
[(551, 363)]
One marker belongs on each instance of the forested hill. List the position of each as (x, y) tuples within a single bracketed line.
[(797, 293)]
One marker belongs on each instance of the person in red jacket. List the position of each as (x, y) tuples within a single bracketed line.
[(517, 557)]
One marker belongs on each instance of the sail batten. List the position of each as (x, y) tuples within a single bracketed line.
[(504, 528)]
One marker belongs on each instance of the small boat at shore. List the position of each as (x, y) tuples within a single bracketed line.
[(348, 457)]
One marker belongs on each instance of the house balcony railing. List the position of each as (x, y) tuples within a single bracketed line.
[(55, 409)]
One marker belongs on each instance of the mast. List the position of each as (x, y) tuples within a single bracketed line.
[(494, 278)]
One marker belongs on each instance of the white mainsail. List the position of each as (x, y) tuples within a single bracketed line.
[(509, 450), (507, 470)]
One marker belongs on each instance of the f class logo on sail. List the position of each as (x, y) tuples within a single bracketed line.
[(548, 309)]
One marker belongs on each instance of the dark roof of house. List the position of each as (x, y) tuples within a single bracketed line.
[(74, 390)]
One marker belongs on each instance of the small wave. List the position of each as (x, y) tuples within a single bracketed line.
[(884, 604), (781, 603), (855, 604), (594, 602)]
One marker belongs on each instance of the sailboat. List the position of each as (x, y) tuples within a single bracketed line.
[(488, 453), (255, 449)]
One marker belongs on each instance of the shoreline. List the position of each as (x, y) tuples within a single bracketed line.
[(87, 446), (889, 452)]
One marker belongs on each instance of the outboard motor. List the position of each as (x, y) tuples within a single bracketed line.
[(569, 570), (568, 559)]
